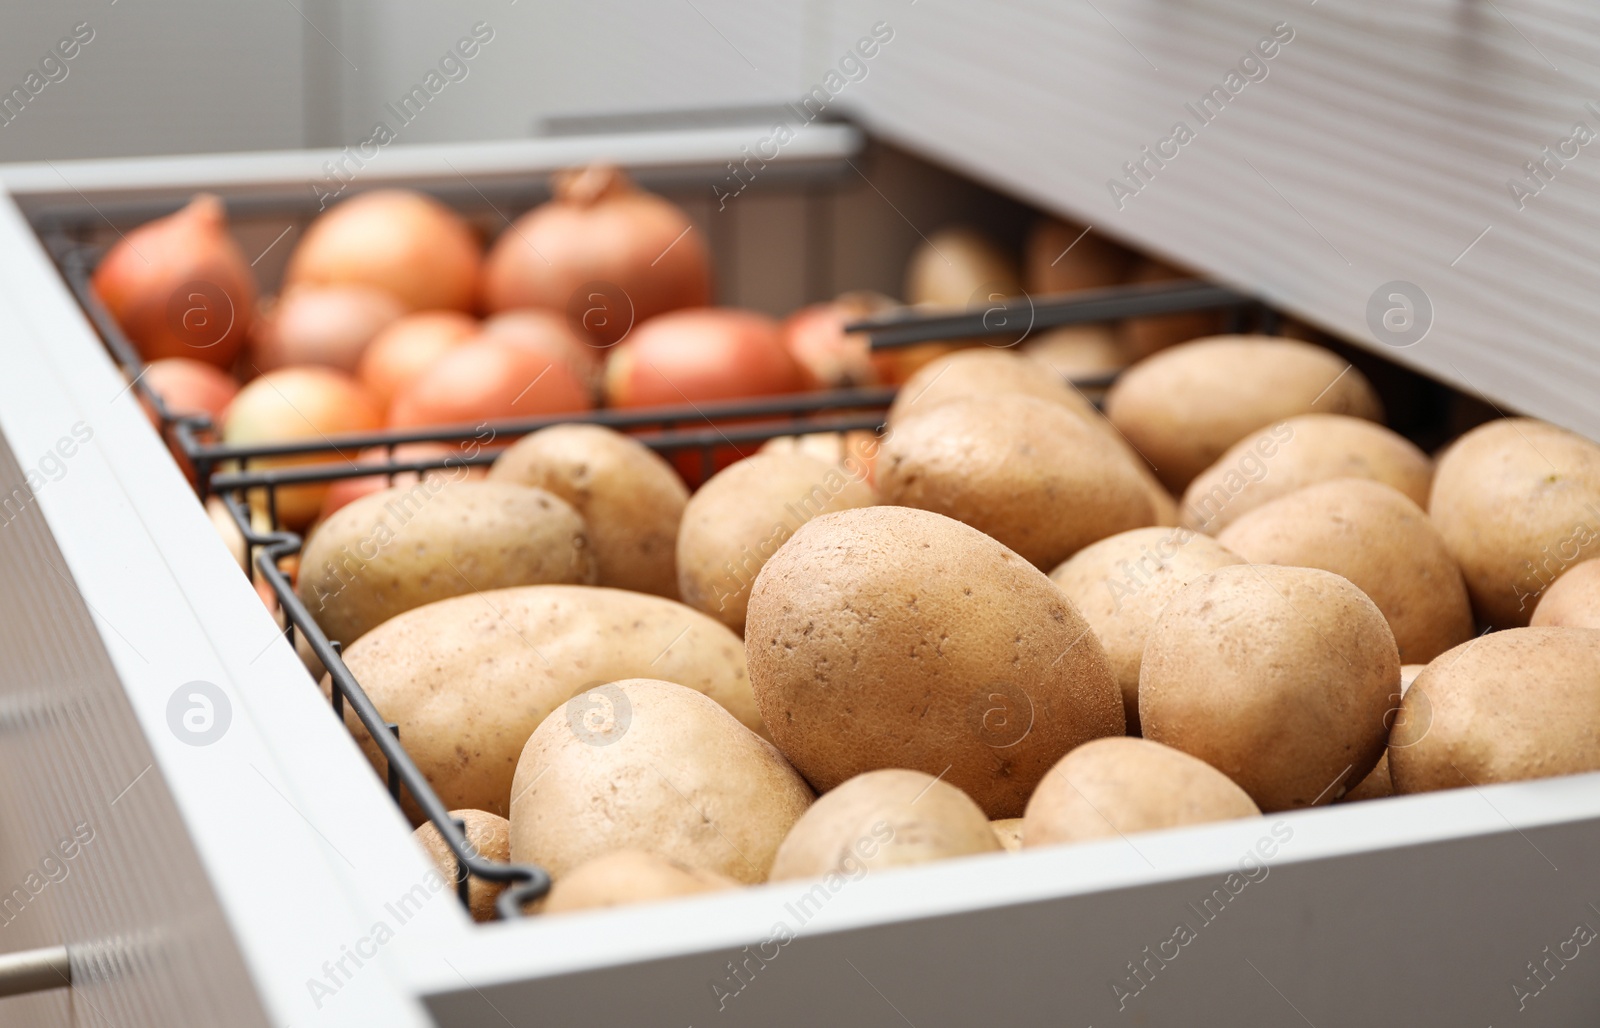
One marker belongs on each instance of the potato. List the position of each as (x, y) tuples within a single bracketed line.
[(1573, 601), (1077, 351), (622, 877), (894, 638), (1121, 786), (1302, 451), (1061, 257), (1184, 407), (855, 451), (1378, 539), (401, 548), (669, 771), (488, 834), (1040, 480), (1377, 784), (985, 373), (1140, 337), (1506, 707), (628, 496), (958, 267), (1518, 504), (745, 512), (1121, 584), (1008, 830), (882, 819), (469, 679), (1278, 677)]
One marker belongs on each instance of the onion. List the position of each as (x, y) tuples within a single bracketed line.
[(347, 490), (959, 268), (1061, 257), (294, 404), (550, 334), (815, 337), (395, 239), (406, 348), (602, 250), (179, 287), (327, 325), (705, 354), (485, 379), (189, 387), (1140, 337)]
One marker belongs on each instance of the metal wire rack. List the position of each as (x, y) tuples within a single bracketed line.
[(235, 473)]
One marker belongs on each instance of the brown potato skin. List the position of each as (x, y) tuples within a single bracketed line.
[(1573, 601), (1518, 504), (1009, 831), (1379, 540), (680, 777), (1378, 784), (1120, 585), (883, 819), (629, 497), (1278, 677), (434, 540), (1506, 707), (1028, 473), (745, 512), (1292, 454), (889, 637), (624, 877), (985, 372), (1183, 407), (490, 835), (954, 265), (1121, 786), (469, 679)]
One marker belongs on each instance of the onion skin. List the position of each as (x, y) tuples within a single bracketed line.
[(189, 387), (179, 286), (398, 240), (600, 230), (328, 325), (294, 404), (837, 359), (485, 380), (550, 334), (407, 347), (709, 353), (348, 490)]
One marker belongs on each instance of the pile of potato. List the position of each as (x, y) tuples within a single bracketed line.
[(1006, 621)]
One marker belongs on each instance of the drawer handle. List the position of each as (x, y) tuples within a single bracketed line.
[(35, 970)]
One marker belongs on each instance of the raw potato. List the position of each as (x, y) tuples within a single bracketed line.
[(392, 551), (1184, 407), (1518, 503), (985, 373), (1378, 539), (1062, 257), (883, 819), (623, 877), (1302, 451), (1507, 707), (469, 679), (1573, 602), (894, 638), (630, 498), (1077, 351), (1009, 831), (960, 268), (739, 518), (490, 835), (1122, 583), (1278, 677), (1378, 784), (666, 770), (1040, 480), (1121, 786)]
